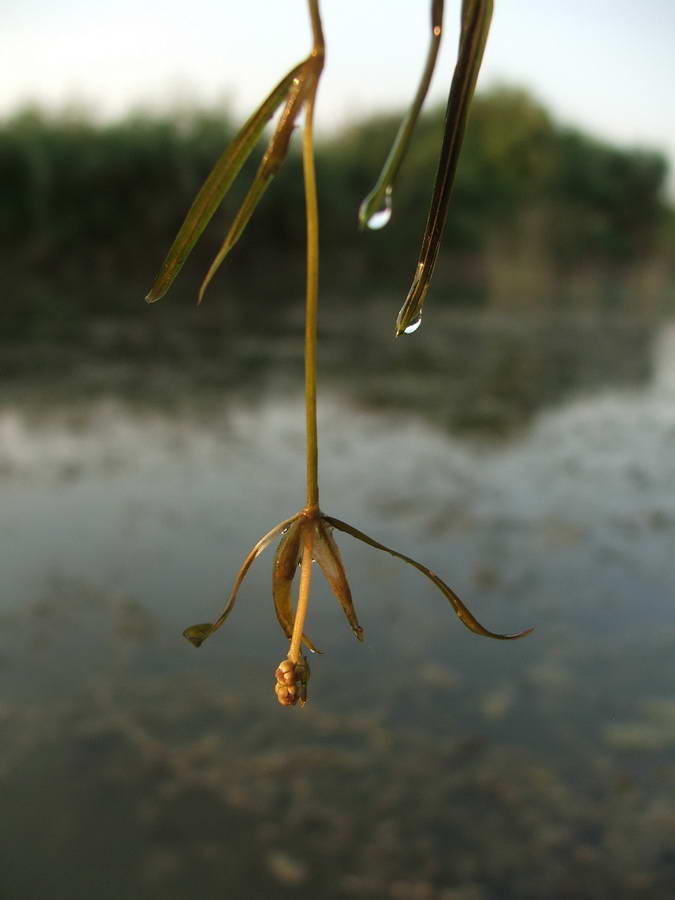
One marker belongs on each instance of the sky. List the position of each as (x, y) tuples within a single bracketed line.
[(605, 65)]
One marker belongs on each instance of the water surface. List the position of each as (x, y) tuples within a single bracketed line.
[(429, 763)]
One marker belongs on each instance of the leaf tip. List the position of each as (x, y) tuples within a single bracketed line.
[(155, 293), (200, 294), (525, 632), (197, 634)]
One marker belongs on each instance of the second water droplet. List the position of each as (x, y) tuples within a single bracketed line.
[(414, 325), (381, 216)]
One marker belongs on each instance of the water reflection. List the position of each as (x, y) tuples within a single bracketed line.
[(429, 763)]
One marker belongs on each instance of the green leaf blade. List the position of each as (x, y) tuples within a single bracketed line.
[(275, 154), (217, 184)]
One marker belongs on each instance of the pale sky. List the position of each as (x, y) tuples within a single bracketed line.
[(607, 65)]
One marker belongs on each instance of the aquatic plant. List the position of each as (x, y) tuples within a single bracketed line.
[(307, 536)]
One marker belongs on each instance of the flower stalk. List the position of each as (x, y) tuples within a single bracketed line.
[(303, 597), (312, 286)]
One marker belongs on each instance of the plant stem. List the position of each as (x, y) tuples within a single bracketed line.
[(318, 44), (303, 595), (312, 295)]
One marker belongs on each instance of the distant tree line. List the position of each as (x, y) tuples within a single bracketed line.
[(542, 214)]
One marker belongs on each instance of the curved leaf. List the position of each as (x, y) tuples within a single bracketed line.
[(197, 634), (327, 554), (463, 614)]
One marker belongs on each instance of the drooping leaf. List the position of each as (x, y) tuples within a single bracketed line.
[(217, 184), (197, 634), (327, 555), (476, 18), (463, 614), (284, 568), (380, 198)]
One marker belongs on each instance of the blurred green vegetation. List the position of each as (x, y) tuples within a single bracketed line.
[(542, 215)]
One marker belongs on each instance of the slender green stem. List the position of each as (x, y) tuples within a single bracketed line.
[(312, 296)]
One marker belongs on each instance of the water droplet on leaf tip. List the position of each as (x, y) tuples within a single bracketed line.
[(381, 216), (379, 219), (414, 325)]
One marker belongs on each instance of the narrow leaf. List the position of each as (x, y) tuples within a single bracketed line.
[(269, 166), (379, 199), (284, 568), (476, 17), (327, 555), (197, 634), (463, 614), (217, 184)]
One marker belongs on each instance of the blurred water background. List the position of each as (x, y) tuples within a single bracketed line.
[(521, 444)]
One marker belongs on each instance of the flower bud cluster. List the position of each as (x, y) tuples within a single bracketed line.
[(291, 682)]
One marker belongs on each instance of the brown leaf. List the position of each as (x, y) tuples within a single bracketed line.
[(197, 634), (327, 555), (463, 614)]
